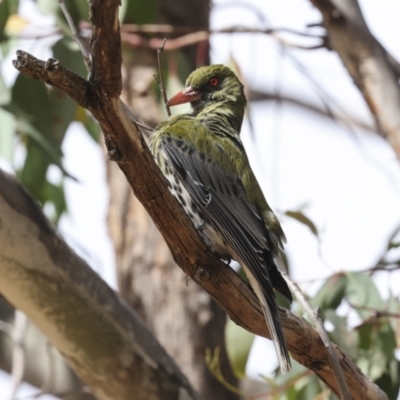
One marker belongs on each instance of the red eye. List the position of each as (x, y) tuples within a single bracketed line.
[(214, 81)]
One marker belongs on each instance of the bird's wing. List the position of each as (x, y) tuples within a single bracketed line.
[(221, 195)]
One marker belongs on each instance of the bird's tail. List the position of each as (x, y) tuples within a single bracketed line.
[(271, 314)]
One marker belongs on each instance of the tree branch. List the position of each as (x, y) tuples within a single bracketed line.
[(126, 146), (373, 70), (128, 149), (101, 338), (316, 317)]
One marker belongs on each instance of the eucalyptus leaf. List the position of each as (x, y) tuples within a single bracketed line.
[(7, 134), (303, 219), (345, 339), (363, 294), (5, 12), (44, 116), (331, 293), (238, 345), (5, 92), (67, 52), (386, 340)]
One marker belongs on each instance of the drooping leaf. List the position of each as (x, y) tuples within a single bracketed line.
[(331, 293), (386, 340), (43, 117), (7, 134), (373, 365), (4, 14), (5, 93), (389, 381), (347, 340), (310, 389), (303, 219), (365, 336), (238, 345), (362, 293)]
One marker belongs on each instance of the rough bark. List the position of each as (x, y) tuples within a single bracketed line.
[(100, 337), (148, 278), (373, 69)]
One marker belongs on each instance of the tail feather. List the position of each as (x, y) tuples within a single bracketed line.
[(271, 315)]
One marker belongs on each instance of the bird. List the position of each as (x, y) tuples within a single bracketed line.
[(205, 163)]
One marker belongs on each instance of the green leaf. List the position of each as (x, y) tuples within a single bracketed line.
[(4, 14), (310, 389), (44, 116), (331, 293), (389, 381), (238, 345), (55, 195), (345, 339), (122, 10), (365, 336), (7, 45), (68, 53), (7, 134), (141, 11), (386, 340), (303, 219), (90, 124), (362, 294), (5, 92), (374, 365)]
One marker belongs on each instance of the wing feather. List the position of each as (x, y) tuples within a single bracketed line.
[(222, 197)]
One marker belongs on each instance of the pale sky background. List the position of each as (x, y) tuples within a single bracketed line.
[(347, 183)]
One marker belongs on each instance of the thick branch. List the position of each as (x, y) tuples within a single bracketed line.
[(374, 72), (128, 149), (106, 46), (101, 338)]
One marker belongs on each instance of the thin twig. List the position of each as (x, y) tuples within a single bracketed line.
[(316, 317), (86, 56), (18, 352), (161, 82), (172, 29)]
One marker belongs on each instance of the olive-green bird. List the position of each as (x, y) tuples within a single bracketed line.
[(203, 158)]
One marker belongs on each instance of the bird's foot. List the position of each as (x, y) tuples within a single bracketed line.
[(227, 260)]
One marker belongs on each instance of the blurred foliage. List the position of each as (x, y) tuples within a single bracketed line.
[(34, 120)]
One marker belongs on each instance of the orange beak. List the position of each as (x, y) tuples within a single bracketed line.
[(185, 96)]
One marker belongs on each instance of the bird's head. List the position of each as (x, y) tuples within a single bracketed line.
[(212, 85)]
